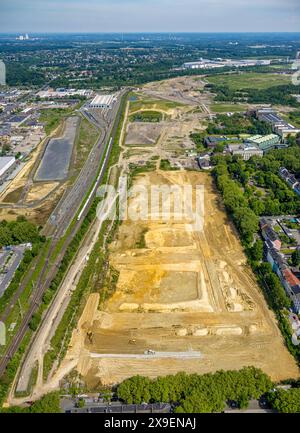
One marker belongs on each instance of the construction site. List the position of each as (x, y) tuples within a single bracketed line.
[(185, 301)]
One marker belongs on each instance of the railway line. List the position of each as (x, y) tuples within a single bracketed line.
[(62, 216)]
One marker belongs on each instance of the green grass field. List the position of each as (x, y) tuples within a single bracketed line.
[(86, 139), (228, 108), (52, 117), (147, 116), (249, 80), (152, 105)]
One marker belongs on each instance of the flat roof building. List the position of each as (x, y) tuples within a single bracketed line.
[(266, 142), (246, 151), (279, 125), (103, 101), (6, 163)]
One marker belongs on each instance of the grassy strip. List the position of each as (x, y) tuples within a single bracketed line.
[(86, 138), (51, 355), (147, 116), (12, 368), (60, 340), (15, 316), (52, 117), (31, 382), (249, 80)]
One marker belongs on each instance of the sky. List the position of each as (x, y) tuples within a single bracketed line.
[(149, 16)]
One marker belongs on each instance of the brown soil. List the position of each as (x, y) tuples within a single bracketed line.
[(184, 291)]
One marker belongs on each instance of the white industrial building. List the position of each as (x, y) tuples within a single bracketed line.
[(103, 101), (222, 63), (2, 73), (7, 164)]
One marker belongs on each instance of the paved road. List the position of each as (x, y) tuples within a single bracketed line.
[(63, 215)]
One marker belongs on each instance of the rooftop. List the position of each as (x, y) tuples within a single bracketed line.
[(5, 160), (102, 100)]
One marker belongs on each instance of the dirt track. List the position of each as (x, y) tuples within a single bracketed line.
[(184, 291)]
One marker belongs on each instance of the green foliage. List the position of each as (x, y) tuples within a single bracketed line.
[(195, 393), (198, 139), (296, 257), (256, 251), (35, 321), (52, 117), (275, 292), (166, 165), (237, 124), (285, 401), (147, 116), (81, 403), (18, 232), (47, 404), (282, 94), (245, 219), (22, 75)]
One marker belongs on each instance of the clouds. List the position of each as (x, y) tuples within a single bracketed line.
[(149, 15)]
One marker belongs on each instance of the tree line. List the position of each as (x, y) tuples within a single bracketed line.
[(198, 393)]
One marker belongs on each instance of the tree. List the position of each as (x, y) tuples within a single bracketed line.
[(198, 394), (247, 223), (81, 402), (285, 401), (296, 257), (256, 251), (292, 141)]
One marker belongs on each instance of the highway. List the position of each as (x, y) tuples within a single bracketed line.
[(62, 217)]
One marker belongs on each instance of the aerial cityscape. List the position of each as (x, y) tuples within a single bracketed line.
[(149, 210)]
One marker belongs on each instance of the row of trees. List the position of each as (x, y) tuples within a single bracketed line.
[(236, 203), (198, 394)]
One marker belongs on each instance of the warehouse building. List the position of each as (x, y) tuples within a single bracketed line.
[(104, 102), (279, 125), (266, 142), (246, 151), (7, 165)]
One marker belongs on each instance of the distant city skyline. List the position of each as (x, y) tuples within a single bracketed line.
[(25, 16)]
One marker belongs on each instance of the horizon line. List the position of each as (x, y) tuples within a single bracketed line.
[(145, 32)]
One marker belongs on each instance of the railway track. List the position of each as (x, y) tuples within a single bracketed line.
[(61, 224)]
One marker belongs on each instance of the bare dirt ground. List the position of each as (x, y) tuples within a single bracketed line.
[(185, 90), (25, 197), (41, 190), (184, 291), (145, 134)]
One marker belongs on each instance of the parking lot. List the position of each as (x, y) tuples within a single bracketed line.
[(10, 260)]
